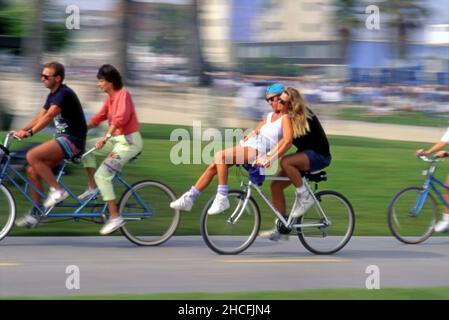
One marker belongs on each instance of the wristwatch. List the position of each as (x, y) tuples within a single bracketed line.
[(108, 136)]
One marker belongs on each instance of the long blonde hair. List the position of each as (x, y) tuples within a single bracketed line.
[(298, 112)]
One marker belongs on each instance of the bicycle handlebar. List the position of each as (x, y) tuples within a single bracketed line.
[(429, 159), (88, 152)]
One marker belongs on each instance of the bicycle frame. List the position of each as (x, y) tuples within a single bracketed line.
[(430, 185), (247, 189), (9, 173)]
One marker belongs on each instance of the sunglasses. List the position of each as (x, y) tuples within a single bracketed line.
[(46, 77), (271, 99), (283, 102)]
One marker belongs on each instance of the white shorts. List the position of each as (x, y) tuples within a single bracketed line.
[(260, 143)]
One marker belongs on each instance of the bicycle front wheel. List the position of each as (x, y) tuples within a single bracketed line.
[(412, 215), (146, 208), (233, 230), (7, 211), (326, 237)]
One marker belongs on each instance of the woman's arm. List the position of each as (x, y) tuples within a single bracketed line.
[(124, 110), (285, 143), (281, 147), (99, 117), (255, 131)]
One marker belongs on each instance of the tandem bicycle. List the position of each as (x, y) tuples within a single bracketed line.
[(144, 205)]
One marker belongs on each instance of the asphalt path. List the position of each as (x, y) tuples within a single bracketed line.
[(43, 266)]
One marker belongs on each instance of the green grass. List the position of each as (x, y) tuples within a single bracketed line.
[(368, 172), (399, 117), (441, 293)]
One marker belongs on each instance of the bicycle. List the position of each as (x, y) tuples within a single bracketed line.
[(413, 211), (325, 228), (144, 205)]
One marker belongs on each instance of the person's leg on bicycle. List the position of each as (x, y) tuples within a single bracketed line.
[(292, 165), (443, 224), (43, 159), (33, 217), (278, 201), (124, 149), (89, 163), (222, 161)]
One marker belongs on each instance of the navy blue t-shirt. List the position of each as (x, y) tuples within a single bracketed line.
[(71, 120)]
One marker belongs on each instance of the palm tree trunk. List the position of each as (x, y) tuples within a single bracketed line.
[(198, 63), (34, 43), (345, 39)]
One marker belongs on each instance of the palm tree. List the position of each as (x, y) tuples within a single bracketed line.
[(200, 67), (124, 36), (346, 20), (405, 15), (34, 42)]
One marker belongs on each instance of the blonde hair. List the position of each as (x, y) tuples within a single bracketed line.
[(298, 112)]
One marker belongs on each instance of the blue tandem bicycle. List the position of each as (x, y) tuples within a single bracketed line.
[(144, 205)]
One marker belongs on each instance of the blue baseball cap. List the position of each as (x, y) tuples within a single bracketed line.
[(275, 88)]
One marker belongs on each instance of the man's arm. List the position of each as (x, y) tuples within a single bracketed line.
[(33, 121), (46, 118), (436, 147)]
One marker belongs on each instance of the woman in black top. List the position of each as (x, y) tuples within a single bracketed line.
[(312, 154)]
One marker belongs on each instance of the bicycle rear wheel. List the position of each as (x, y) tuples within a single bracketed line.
[(233, 230), (7, 211), (146, 208), (412, 215), (332, 237)]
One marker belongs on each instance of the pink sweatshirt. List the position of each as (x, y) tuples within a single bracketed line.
[(119, 111)]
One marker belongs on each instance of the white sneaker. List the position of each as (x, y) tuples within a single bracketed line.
[(54, 197), (112, 225), (86, 194), (28, 221), (184, 203), (274, 235), (443, 224), (220, 204), (303, 202)]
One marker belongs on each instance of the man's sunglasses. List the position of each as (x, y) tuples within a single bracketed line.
[(46, 77), (271, 99)]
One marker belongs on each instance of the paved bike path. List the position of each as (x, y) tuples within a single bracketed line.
[(36, 266)]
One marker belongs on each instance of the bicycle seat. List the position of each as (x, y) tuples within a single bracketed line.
[(254, 174), (315, 176)]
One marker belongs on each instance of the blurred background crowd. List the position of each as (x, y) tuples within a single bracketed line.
[(211, 59)]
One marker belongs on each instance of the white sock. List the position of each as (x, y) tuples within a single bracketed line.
[(301, 189)]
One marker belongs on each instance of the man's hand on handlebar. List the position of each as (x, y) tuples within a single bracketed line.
[(421, 152), (22, 134)]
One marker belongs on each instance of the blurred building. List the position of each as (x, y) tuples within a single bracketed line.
[(215, 20), (298, 31)]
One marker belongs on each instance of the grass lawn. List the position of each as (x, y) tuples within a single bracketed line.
[(368, 172), (411, 118), (441, 293)]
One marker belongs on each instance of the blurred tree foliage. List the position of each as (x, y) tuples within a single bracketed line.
[(15, 20), (56, 36), (172, 34), (271, 66), (13, 17)]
